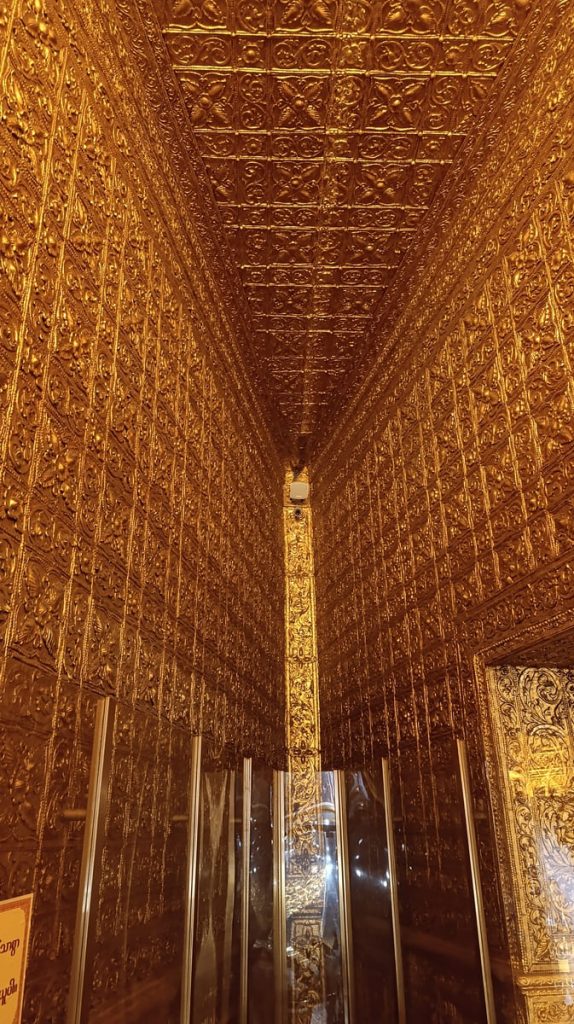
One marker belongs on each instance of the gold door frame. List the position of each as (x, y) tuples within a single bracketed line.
[(90, 871), (536, 983)]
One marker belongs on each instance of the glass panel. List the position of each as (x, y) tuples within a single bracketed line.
[(261, 1005), (217, 940), (314, 960), (370, 899), (45, 832), (140, 914), (175, 858), (438, 923)]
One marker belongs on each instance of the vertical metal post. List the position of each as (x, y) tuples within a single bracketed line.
[(245, 891), (279, 907), (476, 886), (344, 896), (393, 884), (190, 879), (90, 871)]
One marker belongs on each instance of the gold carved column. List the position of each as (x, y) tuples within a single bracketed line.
[(303, 738), (304, 885)]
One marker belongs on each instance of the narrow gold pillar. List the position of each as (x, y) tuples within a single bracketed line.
[(316, 870), (303, 730), (304, 889)]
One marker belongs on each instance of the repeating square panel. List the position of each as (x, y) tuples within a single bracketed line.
[(327, 130)]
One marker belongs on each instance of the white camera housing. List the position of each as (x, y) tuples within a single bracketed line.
[(299, 490)]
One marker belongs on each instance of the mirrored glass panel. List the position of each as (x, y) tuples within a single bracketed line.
[(314, 960), (261, 978), (137, 953), (439, 936), (45, 835), (370, 899), (217, 939)]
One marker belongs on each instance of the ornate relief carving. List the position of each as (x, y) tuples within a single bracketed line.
[(132, 560), (326, 130), (304, 862), (302, 696), (441, 500), (140, 911), (531, 716), (309, 969)]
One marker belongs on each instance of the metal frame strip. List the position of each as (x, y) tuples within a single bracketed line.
[(476, 886), (394, 889), (191, 879), (90, 871), (344, 896), (245, 889), (279, 906)]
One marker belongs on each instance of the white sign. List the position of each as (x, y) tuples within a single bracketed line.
[(15, 917)]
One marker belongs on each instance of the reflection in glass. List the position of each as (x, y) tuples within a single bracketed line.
[(314, 965), (138, 945), (370, 899), (261, 1000), (440, 946), (217, 940)]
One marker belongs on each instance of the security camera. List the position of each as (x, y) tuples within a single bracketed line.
[(299, 490)]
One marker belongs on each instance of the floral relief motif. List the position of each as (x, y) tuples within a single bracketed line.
[(386, 67), (129, 557), (441, 508), (532, 711)]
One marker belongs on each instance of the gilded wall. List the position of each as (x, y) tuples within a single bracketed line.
[(443, 501), (326, 129), (140, 535)]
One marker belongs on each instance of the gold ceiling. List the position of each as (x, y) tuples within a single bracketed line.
[(326, 128)]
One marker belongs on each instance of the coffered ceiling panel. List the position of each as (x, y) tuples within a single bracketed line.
[(326, 128)]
